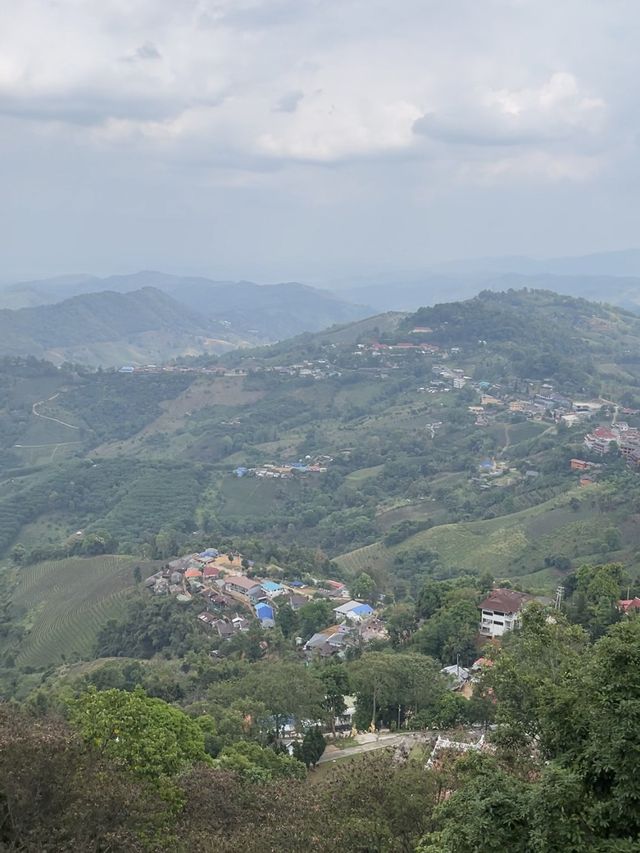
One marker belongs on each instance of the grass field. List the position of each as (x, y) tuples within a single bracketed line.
[(355, 478), (63, 603)]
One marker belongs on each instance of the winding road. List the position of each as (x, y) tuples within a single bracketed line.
[(34, 410)]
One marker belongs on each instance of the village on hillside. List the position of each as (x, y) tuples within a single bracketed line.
[(233, 596)]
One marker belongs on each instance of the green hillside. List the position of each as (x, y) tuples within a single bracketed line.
[(110, 328), (61, 605), (151, 316), (145, 461), (518, 546)]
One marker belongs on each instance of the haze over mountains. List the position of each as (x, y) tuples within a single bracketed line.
[(613, 277), (154, 317)]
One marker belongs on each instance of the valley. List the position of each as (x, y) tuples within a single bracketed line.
[(304, 549)]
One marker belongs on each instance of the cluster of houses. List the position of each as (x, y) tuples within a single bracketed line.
[(356, 624), (286, 471), (602, 440), (232, 596), (318, 369)]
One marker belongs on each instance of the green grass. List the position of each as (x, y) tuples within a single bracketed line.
[(63, 603), (255, 496), (358, 477), (49, 530)]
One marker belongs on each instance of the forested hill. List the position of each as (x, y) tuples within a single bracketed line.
[(524, 333), (237, 313), (520, 316)]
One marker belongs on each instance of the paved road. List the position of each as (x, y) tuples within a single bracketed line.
[(382, 742)]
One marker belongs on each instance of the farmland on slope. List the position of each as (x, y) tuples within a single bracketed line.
[(63, 603)]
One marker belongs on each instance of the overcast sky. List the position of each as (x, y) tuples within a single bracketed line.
[(314, 139)]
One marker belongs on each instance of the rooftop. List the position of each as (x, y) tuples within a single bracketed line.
[(505, 600), (242, 582)]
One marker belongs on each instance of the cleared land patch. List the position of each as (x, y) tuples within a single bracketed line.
[(203, 393)]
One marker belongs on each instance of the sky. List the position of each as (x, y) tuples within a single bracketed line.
[(314, 140)]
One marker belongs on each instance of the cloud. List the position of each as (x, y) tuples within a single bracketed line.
[(289, 102), (146, 51), (369, 110), (556, 111)]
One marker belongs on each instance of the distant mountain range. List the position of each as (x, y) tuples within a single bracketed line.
[(152, 316), (612, 277), (149, 317)]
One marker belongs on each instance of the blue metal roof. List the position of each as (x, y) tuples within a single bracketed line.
[(264, 611), (362, 609)]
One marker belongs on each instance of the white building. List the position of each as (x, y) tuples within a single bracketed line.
[(501, 611)]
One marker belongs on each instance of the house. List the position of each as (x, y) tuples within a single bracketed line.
[(210, 572), (296, 601), (243, 586), (272, 589), (330, 641), (501, 611), (356, 611), (580, 464), (207, 618), (457, 676), (193, 573), (629, 605), (222, 627), (344, 721), (600, 440), (265, 614)]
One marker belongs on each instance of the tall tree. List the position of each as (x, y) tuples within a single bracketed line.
[(147, 736)]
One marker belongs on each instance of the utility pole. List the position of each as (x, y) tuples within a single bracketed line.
[(559, 597)]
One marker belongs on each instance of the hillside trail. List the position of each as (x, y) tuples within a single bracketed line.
[(35, 411)]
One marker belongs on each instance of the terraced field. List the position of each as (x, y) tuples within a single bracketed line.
[(63, 603)]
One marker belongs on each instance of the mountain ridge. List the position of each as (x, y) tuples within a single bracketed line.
[(146, 323)]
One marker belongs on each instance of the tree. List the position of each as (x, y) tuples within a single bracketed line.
[(363, 587), (57, 793), (312, 747), (612, 698), (286, 689), (287, 620), (258, 763), (18, 554), (536, 680), (375, 681), (450, 633), (313, 616), (489, 804), (595, 590), (392, 684), (429, 599), (165, 542), (401, 622), (335, 680), (147, 736)]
